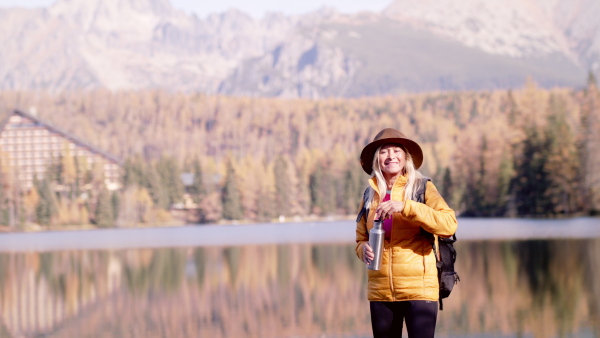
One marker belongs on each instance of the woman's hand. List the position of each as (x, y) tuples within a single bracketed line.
[(367, 255), (387, 209)]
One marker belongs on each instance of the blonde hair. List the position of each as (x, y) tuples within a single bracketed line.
[(412, 174)]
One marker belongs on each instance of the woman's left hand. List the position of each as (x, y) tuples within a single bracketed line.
[(388, 208)]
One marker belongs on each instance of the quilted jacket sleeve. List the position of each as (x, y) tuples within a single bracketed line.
[(435, 215)]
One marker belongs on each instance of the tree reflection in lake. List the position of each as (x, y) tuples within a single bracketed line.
[(517, 288), (540, 288)]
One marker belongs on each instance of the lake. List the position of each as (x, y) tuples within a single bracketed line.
[(519, 278)]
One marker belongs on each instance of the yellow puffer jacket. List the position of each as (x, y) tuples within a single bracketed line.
[(408, 270)]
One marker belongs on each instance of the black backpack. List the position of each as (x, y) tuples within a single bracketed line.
[(447, 277)]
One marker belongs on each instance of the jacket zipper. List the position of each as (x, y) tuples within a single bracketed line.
[(391, 255), (390, 272)]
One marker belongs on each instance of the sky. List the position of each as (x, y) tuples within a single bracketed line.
[(256, 8)]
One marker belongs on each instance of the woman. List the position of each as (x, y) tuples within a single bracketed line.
[(406, 287)]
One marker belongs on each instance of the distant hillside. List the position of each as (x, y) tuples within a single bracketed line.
[(408, 47), (526, 152)]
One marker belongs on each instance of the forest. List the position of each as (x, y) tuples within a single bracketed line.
[(528, 152)]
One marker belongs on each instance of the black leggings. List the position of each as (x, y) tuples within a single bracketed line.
[(420, 317)]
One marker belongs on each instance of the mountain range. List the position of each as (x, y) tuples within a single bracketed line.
[(410, 46)]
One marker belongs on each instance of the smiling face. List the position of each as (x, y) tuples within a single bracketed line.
[(392, 160)]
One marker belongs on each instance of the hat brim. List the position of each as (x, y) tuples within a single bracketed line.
[(366, 156)]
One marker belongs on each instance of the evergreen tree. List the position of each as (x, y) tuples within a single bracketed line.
[(282, 194), (480, 191), (304, 194), (512, 108), (81, 164), (160, 195), (135, 172), (170, 180), (591, 80), (47, 206), (4, 194), (230, 195), (197, 190), (353, 188), (322, 190), (265, 203), (474, 110), (296, 190), (532, 181), (505, 175), (104, 215), (475, 195), (447, 186), (115, 200)]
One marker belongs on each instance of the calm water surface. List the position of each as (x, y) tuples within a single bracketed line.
[(288, 280)]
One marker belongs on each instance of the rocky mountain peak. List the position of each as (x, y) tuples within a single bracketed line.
[(88, 14), (514, 28), (70, 7), (410, 46), (517, 28)]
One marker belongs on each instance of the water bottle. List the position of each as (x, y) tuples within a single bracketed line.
[(376, 236)]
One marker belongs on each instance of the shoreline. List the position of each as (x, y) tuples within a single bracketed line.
[(35, 228), (317, 232)]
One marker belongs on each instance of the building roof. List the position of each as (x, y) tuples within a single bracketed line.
[(61, 132)]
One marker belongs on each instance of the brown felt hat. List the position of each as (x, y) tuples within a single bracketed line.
[(390, 136)]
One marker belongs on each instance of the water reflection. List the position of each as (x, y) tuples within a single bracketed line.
[(527, 288), (522, 288)]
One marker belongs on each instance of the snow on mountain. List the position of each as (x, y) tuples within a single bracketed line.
[(513, 28), (579, 21), (516, 28)]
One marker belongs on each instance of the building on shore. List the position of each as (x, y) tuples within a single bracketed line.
[(30, 146)]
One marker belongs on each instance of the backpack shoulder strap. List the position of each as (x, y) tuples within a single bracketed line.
[(364, 211), (420, 197), (422, 186)]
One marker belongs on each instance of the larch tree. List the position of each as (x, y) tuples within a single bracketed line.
[(590, 148), (283, 198), (563, 159), (266, 201)]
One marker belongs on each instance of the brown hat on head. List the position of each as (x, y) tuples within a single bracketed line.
[(389, 136)]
